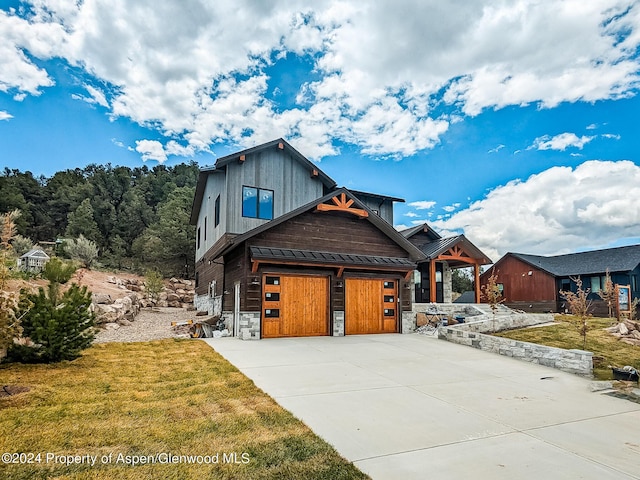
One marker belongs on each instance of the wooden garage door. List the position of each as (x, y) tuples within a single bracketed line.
[(295, 306), (371, 306)]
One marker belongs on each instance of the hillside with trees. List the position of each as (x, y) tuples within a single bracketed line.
[(136, 218)]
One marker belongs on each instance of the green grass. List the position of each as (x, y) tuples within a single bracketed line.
[(175, 397), (607, 349)]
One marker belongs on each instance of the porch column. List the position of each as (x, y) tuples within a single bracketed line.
[(476, 275), (432, 281)]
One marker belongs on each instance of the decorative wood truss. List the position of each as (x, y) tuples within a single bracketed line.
[(454, 254), (341, 204)]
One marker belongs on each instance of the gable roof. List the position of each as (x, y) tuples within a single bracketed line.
[(359, 193), (410, 232), (619, 259), (438, 247), (231, 242), (222, 162), (35, 252)]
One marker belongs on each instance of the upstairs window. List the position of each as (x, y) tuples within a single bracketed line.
[(257, 203), (216, 216)]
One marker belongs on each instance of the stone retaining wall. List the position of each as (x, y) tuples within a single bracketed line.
[(488, 324), (572, 361)]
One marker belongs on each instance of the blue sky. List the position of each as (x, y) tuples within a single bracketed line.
[(513, 122)]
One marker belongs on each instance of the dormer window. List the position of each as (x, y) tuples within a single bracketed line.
[(257, 203)]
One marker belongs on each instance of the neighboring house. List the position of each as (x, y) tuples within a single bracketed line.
[(533, 282), (281, 251), (33, 261), (433, 277)]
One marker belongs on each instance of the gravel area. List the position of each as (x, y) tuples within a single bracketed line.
[(150, 324)]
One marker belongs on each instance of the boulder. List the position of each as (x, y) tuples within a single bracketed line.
[(106, 314), (102, 298), (622, 328), (111, 326), (635, 334), (173, 297)]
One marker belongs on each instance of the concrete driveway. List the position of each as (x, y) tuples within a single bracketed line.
[(414, 407)]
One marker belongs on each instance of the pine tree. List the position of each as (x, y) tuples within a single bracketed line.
[(82, 222), (58, 325)]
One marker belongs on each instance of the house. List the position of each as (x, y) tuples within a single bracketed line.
[(281, 251), (432, 281), (533, 282), (33, 261)]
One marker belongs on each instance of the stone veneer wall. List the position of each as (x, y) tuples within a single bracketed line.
[(338, 323), (206, 303), (249, 325), (408, 322), (572, 361)]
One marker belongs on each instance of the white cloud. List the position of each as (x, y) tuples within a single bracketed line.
[(422, 204), (451, 208), (559, 210), (411, 214), (5, 115), (611, 136), (151, 150), (154, 150), (592, 126), (496, 149), (560, 142), (195, 71)]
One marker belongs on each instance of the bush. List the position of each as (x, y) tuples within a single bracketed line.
[(58, 328), (83, 250)]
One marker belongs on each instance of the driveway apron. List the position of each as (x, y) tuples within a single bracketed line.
[(414, 407)]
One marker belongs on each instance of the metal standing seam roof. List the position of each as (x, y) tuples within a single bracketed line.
[(310, 256), (620, 259)]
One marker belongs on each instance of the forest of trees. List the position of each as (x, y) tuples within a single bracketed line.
[(138, 218)]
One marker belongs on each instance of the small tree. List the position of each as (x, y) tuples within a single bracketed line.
[(579, 305), (83, 250), (153, 285), (7, 233), (58, 325), (21, 245), (58, 329), (608, 293), (492, 294), (10, 327), (58, 273)]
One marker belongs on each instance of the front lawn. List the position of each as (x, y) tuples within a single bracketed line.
[(176, 408), (607, 349)]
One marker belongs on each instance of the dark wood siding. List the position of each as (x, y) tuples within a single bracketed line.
[(234, 272), (207, 273), (420, 239), (331, 232)]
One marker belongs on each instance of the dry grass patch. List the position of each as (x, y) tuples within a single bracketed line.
[(175, 397), (607, 349)]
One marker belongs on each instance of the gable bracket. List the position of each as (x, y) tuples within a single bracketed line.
[(341, 204)]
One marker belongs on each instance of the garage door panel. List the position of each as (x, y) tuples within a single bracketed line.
[(371, 306), (303, 307)]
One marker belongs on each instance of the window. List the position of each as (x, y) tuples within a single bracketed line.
[(205, 229), (634, 283), (595, 284), (217, 212), (198, 237), (257, 203)]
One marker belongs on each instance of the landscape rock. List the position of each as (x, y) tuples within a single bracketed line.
[(622, 328), (111, 326), (101, 298)]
